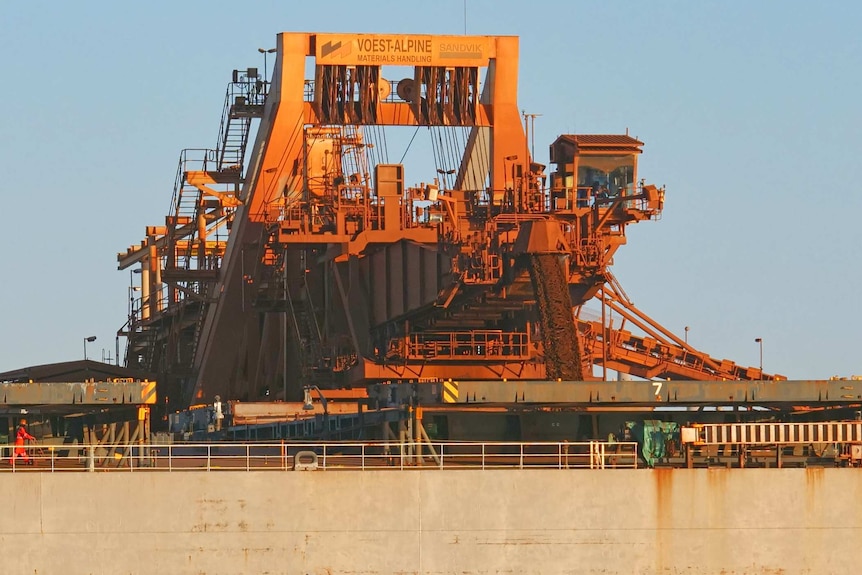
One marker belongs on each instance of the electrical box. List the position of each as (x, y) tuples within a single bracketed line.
[(688, 435), (389, 180)]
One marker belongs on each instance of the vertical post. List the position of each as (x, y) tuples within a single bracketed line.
[(109, 440), (402, 441), (417, 434), (403, 446), (465, 17), (408, 434), (525, 168), (145, 436), (759, 341), (156, 301), (145, 291), (599, 454), (284, 330), (604, 339), (87, 340), (127, 449), (91, 458), (142, 434)]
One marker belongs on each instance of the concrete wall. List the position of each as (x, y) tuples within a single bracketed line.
[(433, 522)]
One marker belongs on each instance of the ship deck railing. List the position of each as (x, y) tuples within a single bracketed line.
[(323, 456)]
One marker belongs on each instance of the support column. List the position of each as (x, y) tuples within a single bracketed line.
[(145, 292), (417, 434)]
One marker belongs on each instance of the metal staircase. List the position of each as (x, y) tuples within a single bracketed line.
[(244, 101), (206, 186)]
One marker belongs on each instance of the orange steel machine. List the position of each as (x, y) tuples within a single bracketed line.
[(312, 257)]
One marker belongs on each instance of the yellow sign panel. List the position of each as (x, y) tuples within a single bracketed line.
[(148, 392), (450, 391), (403, 50)]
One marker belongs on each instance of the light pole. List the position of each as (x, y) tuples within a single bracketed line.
[(264, 51), (759, 341), (530, 126), (686, 335), (307, 400), (87, 340), (308, 406), (444, 175)]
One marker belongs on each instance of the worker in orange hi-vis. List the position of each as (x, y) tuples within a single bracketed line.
[(20, 437)]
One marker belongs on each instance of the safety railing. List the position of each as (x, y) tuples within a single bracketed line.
[(179, 457), (474, 344)]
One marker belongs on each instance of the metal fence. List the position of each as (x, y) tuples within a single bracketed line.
[(330, 456)]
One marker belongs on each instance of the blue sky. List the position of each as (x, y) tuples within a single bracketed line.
[(749, 112)]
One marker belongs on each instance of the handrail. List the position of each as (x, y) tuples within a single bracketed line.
[(473, 344), (329, 456)]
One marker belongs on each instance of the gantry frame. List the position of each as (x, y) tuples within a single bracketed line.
[(328, 274)]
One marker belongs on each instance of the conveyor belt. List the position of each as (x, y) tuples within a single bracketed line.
[(778, 433), (562, 351), (650, 358)]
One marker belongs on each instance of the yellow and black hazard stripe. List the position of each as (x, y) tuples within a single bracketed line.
[(450, 391), (148, 392)]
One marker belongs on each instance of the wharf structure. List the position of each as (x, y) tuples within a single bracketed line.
[(321, 290), (301, 264)]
